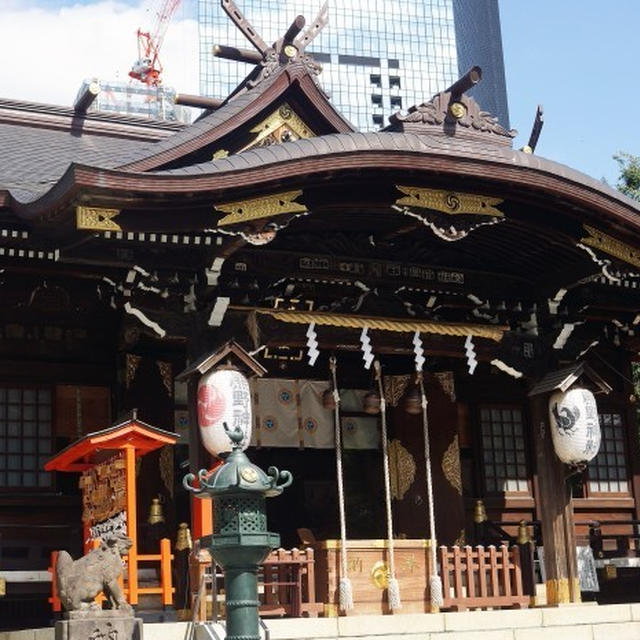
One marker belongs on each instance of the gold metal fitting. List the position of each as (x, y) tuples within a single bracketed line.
[(183, 539), (523, 533), (380, 575), (479, 512), (457, 110), (155, 512)]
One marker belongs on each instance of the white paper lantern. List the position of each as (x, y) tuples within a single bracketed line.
[(223, 397), (575, 428)]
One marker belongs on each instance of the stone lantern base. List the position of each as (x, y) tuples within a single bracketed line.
[(99, 625)]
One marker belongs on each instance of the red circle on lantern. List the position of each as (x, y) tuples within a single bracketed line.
[(211, 405)]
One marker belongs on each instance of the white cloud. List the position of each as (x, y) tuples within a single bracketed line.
[(46, 53)]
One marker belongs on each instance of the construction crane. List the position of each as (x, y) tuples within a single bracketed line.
[(148, 68)]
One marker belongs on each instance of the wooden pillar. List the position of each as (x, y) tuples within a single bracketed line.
[(132, 522), (556, 512)]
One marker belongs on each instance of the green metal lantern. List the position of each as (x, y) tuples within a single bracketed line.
[(240, 541)]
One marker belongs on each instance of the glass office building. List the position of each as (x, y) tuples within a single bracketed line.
[(378, 56)]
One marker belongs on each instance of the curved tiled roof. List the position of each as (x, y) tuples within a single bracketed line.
[(39, 142), (440, 145)]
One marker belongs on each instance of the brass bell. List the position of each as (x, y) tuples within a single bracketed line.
[(479, 512), (329, 400), (523, 533), (413, 401), (371, 403), (183, 539), (155, 512)]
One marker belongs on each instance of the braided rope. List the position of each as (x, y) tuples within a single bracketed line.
[(435, 581), (393, 589), (494, 332), (345, 591)]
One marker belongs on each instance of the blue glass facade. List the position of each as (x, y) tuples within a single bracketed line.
[(378, 56)]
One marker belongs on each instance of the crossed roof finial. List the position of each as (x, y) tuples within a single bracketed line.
[(288, 48)]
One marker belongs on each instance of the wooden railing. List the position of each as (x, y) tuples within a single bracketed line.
[(474, 578), (286, 584), (289, 584), (624, 534), (130, 587)]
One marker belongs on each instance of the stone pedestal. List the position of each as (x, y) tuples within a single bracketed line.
[(99, 625)]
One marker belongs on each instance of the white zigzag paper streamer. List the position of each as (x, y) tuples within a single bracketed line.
[(419, 351), (503, 366), (312, 344), (470, 352), (367, 351)]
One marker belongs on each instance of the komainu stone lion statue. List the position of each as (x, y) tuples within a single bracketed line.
[(80, 581)]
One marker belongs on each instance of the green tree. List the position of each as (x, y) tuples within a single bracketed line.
[(629, 179)]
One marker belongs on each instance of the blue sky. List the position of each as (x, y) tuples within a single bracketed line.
[(578, 58), (581, 60)]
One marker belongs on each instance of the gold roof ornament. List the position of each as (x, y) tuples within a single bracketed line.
[(262, 207), (97, 219), (283, 125), (449, 202), (600, 240)]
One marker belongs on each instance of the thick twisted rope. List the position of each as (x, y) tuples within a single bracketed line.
[(493, 332), (393, 589), (435, 583), (345, 588)]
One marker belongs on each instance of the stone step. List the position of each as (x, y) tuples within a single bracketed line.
[(571, 622)]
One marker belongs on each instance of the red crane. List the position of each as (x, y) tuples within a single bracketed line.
[(148, 68)]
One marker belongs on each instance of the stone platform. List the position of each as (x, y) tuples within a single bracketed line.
[(574, 622), (98, 625)]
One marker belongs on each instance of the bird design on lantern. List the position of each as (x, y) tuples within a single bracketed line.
[(566, 419)]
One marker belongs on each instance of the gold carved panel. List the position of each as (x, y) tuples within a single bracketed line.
[(257, 208), (451, 465), (599, 240), (97, 219), (402, 469), (450, 202)]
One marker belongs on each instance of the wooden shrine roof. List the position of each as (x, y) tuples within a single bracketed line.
[(80, 455), (40, 141)]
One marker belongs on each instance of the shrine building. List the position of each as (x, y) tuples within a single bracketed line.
[(440, 281)]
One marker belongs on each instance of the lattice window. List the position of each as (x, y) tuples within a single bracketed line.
[(25, 437), (240, 515), (504, 457), (608, 470)]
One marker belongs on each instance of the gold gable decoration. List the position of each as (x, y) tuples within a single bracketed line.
[(283, 125), (449, 202), (97, 219), (599, 240), (263, 207)]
